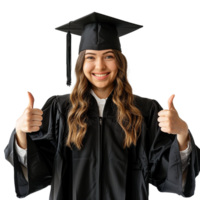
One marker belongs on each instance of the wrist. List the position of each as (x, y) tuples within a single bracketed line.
[(21, 138), (183, 139)]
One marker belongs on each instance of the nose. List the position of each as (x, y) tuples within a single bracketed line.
[(100, 64)]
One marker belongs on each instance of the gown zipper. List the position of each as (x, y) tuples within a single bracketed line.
[(100, 157)]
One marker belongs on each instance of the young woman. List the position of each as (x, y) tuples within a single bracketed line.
[(102, 141)]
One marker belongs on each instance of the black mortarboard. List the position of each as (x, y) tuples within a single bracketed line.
[(98, 32)]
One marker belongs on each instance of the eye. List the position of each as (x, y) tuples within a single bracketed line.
[(89, 57), (109, 56)]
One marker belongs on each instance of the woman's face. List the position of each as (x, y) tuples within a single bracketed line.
[(100, 62)]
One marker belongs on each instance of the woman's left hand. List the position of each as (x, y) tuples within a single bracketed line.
[(170, 120)]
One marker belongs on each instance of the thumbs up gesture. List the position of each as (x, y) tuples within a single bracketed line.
[(170, 122), (31, 119)]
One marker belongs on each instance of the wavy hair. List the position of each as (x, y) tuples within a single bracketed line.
[(129, 116)]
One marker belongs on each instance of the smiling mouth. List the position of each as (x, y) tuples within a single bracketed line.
[(101, 75)]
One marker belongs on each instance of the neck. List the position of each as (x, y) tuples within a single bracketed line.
[(102, 93)]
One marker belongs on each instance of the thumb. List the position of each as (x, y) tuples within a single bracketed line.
[(170, 102), (31, 100)]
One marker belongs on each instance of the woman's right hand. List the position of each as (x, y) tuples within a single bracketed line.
[(30, 118)]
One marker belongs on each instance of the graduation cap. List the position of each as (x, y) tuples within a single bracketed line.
[(98, 32)]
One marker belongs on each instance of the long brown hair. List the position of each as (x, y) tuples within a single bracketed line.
[(129, 116)]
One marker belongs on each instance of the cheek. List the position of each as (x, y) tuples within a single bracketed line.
[(114, 67), (115, 71), (87, 68)]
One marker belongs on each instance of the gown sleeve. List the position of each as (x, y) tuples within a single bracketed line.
[(41, 149), (165, 166)]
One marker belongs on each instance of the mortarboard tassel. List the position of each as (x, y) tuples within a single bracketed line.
[(68, 56)]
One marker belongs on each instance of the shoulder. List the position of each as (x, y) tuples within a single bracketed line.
[(63, 102), (57, 102), (145, 105)]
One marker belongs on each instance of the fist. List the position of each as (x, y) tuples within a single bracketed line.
[(31, 119)]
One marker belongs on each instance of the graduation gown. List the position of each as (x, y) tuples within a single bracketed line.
[(102, 169)]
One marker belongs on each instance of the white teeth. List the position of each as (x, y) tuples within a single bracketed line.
[(100, 75)]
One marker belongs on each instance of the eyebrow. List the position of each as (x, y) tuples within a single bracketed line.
[(103, 53)]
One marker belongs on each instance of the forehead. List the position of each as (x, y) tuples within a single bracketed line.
[(97, 51)]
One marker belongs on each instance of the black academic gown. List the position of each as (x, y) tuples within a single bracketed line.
[(102, 170)]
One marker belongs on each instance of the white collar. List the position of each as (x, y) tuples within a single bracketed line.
[(99, 101)]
